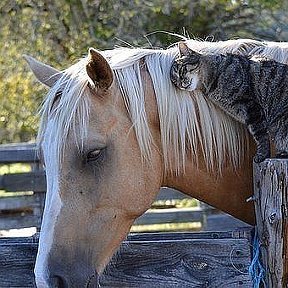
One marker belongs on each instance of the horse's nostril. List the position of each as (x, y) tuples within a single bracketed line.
[(58, 282)]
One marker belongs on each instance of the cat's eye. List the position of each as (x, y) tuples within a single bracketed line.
[(193, 66), (93, 155)]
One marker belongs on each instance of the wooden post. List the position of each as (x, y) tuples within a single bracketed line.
[(39, 196), (271, 206)]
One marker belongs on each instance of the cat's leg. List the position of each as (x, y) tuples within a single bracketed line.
[(257, 124), (281, 140), (260, 134), (262, 148)]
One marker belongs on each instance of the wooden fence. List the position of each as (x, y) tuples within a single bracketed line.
[(215, 259), (169, 260), (23, 211)]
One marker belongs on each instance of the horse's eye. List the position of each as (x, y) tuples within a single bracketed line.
[(93, 155)]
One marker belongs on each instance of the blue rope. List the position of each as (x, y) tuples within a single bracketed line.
[(256, 269)]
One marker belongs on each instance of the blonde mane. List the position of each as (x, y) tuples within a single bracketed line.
[(187, 120)]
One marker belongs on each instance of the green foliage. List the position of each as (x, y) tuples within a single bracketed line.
[(14, 168), (59, 32)]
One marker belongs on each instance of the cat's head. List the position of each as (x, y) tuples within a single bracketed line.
[(189, 70)]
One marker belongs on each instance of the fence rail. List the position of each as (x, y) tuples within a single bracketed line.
[(156, 260), (216, 259), (30, 181), (26, 211), (18, 153)]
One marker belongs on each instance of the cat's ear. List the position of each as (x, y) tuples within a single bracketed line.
[(185, 50)]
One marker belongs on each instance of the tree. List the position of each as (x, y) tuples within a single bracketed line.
[(59, 32)]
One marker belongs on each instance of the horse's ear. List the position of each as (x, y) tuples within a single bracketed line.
[(46, 74), (99, 70), (185, 50)]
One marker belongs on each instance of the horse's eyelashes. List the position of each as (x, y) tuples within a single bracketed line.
[(57, 97), (93, 155)]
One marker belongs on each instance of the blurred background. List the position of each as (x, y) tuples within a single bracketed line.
[(59, 32)]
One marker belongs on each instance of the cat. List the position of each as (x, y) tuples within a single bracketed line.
[(253, 91)]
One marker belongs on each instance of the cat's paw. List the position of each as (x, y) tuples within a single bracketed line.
[(258, 158), (282, 155)]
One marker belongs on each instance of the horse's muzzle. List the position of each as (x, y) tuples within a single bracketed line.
[(61, 282), (58, 282), (93, 281)]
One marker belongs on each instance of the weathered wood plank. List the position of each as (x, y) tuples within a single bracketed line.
[(245, 233), (189, 263), (185, 261), (172, 215), (16, 265), (17, 202), (169, 193), (223, 222), (158, 217), (18, 221), (165, 236), (20, 152), (30, 181), (271, 206)]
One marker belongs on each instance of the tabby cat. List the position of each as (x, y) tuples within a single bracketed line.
[(253, 91)]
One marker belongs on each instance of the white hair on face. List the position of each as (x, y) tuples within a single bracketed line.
[(188, 121), (69, 112)]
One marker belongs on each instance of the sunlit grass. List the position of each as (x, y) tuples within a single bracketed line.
[(167, 227)]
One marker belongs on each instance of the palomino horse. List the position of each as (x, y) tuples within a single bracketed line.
[(114, 130)]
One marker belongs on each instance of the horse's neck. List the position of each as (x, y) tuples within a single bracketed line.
[(227, 192)]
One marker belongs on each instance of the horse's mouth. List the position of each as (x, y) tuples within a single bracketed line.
[(93, 281)]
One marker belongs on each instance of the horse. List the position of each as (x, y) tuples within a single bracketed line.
[(113, 131)]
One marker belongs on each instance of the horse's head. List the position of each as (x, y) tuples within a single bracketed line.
[(97, 181), (114, 129)]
